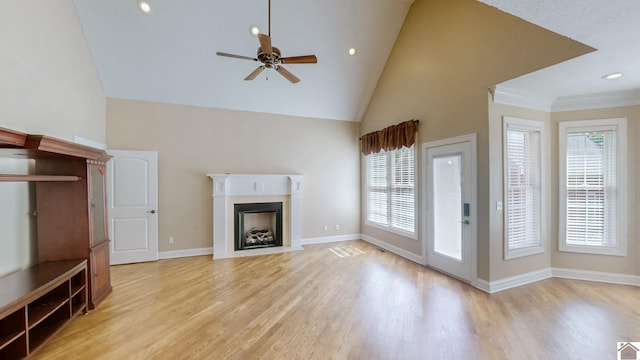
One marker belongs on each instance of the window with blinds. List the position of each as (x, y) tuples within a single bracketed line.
[(522, 143), (592, 186), (391, 190)]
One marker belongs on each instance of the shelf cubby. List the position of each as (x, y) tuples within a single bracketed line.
[(36, 302)]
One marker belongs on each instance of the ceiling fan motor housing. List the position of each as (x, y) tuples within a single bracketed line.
[(269, 61)]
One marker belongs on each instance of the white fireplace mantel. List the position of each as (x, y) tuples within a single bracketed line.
[(226, 186)]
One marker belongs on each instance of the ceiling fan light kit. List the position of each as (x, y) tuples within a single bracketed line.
[(270, 56)]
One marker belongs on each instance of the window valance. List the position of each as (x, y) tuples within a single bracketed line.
[(390, 138)]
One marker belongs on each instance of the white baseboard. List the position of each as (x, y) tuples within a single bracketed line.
[(184, 253), (598, 276), (394, 249), (330, 239), (514, 281), (483, 285), (519, 280)]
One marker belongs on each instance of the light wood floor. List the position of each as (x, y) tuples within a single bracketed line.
[(341, 301)]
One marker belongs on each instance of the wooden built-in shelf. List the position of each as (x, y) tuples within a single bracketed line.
[(12, 138), (20, 177), (31, 146), (70, 197), (6, 339), (37, 302), (41, 311)]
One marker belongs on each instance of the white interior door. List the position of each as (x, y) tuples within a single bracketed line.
[(450, 229), (132, 183)]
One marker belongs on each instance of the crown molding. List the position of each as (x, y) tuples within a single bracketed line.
[(597, 101), (528, 100), (524, 99)]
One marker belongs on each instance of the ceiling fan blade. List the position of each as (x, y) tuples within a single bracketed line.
[(306, 59), (265, 43), (289, 76), (236, 56), (255, 73)]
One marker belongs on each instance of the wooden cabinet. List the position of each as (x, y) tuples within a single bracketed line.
[(70, 196), (37, 302), (97, 203), (100, 274)]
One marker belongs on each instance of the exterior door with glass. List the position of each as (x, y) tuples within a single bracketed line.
[(450, 228)]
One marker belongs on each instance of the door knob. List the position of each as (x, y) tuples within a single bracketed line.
[(152, 211), (466, 222)]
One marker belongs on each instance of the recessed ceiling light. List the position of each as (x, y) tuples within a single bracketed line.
[(144, 6), (352, 51), (254, 29), (612, 76)]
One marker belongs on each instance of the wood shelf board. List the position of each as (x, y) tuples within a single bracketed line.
[(12, 138), (39, 335), (75, 289), (27, 285), (50, 146), (6, 339), (40, 311), (25, 177), (77, 309)]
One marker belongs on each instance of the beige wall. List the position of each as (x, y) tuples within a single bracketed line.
[(499, 267), (48, 81), (48, 85), (447, 55), (193, 141), (611, 264)]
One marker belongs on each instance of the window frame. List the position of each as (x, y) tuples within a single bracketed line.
[(568, 127), (524, 125), (388, 227)]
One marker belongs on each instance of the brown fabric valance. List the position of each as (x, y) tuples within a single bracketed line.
[(391, 138)]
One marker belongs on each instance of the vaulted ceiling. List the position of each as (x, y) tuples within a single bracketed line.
[(168, 55)]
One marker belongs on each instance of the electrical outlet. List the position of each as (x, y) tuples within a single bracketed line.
[(325, 228), (337, 226), (170, 240), (499, 205)]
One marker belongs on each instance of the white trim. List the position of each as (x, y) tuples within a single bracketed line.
[(330, 239), (533, 125), (483, 285), (611, 278), (184, 253), (586, 275), (597, 101), (394, 249), (512, 97), (514, 281), (565, 127), (413, 235), (523, 99), (254, 185), (473, 254)]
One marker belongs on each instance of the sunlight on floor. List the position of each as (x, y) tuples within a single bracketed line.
[(345, 251)]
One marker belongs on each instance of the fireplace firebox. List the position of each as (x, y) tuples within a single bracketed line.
[(257, 225)]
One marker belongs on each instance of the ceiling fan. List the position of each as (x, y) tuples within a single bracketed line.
[(271, 57)]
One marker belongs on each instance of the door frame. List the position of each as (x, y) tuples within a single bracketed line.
[(473, 253)]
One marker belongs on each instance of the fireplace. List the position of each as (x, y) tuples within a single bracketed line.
[(257, 225), (230, 190)]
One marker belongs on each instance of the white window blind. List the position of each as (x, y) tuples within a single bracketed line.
[(390, 188), (523, 187), (591, 190), (593, 211)]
